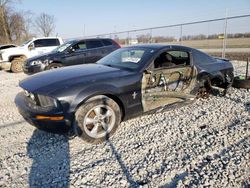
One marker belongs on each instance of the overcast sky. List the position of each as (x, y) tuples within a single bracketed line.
[(77, 18)]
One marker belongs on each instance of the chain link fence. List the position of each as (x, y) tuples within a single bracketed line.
[(221, 37)]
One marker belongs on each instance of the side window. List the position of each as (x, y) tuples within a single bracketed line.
[(107, 42), (80, 46), (38, 43), (169, 59), (94, 44), (46, 42), (178, 54), (51, 42)]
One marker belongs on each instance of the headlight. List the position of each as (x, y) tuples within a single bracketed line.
[(46, 101), (36, 62), (42, 100), (30, 95), (47, 61)]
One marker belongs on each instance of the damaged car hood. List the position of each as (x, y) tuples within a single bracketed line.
[(69, 76)]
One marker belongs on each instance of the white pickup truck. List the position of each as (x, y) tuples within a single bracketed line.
[(13, 58)]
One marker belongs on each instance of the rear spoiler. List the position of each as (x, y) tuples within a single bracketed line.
[(219, 58)]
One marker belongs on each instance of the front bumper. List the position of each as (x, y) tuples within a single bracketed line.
[(29, 111), (33, 69), (5, 65)]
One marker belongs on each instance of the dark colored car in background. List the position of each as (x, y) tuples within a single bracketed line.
[(73, 52), (95, 98), (5, 46)]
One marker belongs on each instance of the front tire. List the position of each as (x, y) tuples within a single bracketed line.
[(17, 64), (97, 119), (54, 66)]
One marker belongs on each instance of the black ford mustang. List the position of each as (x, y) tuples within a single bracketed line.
[(94, 98)]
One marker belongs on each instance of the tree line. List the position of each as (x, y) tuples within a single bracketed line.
[(147, 38), (215, 36), (18, 26)]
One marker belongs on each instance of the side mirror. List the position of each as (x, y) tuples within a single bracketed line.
[(71, 50), (31, 47)]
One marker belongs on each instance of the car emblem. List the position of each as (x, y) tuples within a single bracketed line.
[(134, 95)]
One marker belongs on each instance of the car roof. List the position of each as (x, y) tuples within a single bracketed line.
[(98, 39), (82, 39), (158, 46), (87, 39), (45, 37)]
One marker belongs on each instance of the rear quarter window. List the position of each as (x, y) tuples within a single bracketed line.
[(202, 58), (107, 42)]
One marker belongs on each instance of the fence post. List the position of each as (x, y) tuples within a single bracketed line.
[(128, 39), (84, 30), (181, 35), (225, 36), (247, 68)]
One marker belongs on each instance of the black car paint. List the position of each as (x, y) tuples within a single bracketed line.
[(71, 98), (69, 57), (74, 85), (87, 78)]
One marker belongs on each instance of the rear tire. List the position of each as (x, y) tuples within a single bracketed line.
[(97, 120), (17, 64), (229, 79)]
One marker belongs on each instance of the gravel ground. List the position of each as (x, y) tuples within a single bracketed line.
[(206, 144)]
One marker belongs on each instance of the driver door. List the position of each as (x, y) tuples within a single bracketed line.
[(169, 80), (75, 55)]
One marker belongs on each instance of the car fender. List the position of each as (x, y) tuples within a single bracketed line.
[(91, 91), (55, 59), (51, 62), (8, 53), (16, 56), (219, 76), (204, 76)]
